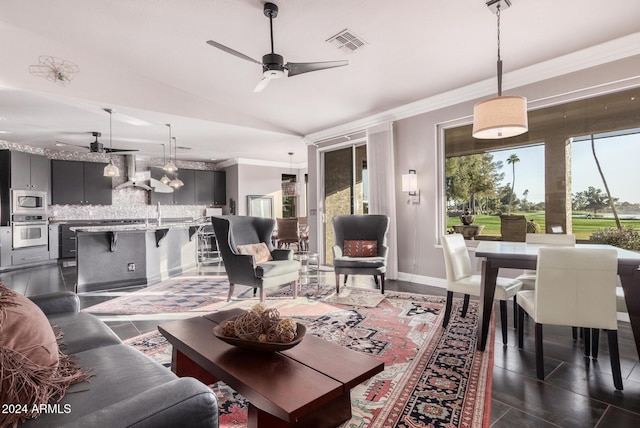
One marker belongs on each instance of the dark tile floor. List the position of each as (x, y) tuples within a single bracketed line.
[(577, 391)]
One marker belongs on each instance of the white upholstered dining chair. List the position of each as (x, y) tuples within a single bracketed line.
[(528, 277), (574, 287), (460, 279)]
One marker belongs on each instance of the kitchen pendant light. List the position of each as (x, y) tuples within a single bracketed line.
[(170, 166), (176, 183), (164, 179), (501, 116), (291, 188), (111, 170)]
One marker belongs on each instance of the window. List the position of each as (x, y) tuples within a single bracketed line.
[(550, 169)]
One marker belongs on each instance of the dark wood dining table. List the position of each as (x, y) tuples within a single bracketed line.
[(520, 255)]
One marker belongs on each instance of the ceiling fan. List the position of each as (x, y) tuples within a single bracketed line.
[(97, 147), (273, 66)]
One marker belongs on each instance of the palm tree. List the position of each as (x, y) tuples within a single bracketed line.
[(512, 160)]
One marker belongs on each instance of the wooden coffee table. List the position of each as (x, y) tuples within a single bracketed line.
[(308, 385)]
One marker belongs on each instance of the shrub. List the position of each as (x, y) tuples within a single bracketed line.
[(627, 238), (533, 227)]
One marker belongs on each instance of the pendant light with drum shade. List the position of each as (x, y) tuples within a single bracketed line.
[(501, 116), (111, 170), (170, 166), (176, 182)]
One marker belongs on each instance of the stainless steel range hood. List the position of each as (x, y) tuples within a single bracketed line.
[(130, 162)]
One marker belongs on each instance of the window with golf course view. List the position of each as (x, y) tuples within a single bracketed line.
[(573, 172)]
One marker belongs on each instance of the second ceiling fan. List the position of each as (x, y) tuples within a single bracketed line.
[(273, 66)]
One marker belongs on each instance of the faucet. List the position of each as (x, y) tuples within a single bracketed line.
[(158, 213)]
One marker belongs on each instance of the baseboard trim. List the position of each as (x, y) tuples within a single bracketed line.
[(422, 279)]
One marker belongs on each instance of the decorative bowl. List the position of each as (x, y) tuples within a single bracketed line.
[(256, 345)]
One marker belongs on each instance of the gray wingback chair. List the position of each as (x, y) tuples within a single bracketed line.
[(371, 227), (232, 231)]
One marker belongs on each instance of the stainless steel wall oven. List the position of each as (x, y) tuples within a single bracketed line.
[(29, 230)]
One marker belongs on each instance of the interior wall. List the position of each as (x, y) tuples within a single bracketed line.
[(264, 180)]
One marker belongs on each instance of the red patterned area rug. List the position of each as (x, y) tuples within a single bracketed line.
[(433, 377)]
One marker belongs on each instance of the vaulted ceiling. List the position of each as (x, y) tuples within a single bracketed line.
[(149, 61)]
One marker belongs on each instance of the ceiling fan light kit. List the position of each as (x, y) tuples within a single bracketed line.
[(501, 116), (273, 65)]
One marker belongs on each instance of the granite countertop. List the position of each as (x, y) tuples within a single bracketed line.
[(133, 227)]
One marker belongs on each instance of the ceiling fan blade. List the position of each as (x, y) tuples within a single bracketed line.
[(296, 68), (107, 150), (232, 52), (262, 84)]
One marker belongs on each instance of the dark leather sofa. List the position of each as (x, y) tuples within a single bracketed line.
[(128, 388)]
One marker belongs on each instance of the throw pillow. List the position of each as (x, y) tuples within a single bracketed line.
[(34, 371), (259, 251), (359, 248)]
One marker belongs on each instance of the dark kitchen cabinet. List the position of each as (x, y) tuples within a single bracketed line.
[(29, 171), (97, 187), (211, 188), (201, 187), (79, 183), (67, 241), (186, 194), (219, 188), (204, 187)]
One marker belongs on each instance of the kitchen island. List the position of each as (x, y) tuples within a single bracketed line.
[(125, 255)]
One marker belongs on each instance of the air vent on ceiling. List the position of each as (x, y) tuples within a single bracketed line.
[(347, 41)]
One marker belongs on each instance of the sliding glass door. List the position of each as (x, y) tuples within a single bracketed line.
[(345, 188)]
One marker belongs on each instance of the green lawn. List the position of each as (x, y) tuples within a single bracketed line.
[(582, 226)]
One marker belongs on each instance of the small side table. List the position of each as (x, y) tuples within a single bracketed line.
[(307, 274)]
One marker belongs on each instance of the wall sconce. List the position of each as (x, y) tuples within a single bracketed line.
[(410, 184)]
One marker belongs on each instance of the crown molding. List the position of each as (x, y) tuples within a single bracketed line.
[(603, 53), (257, 162)]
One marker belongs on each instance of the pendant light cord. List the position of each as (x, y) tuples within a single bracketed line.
[(110, 135), (169, 125), (175, 154), (499, 59)]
